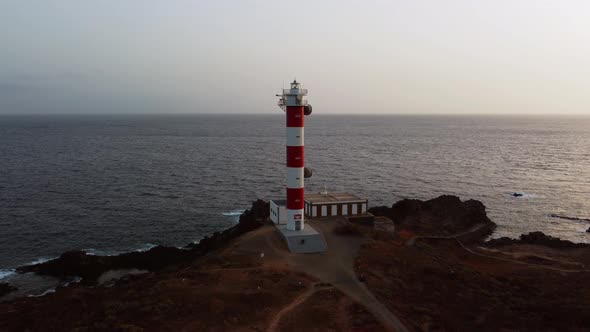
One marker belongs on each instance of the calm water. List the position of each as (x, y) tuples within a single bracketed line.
[(108, 184)]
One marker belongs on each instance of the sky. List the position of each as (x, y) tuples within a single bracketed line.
[(361, 57)]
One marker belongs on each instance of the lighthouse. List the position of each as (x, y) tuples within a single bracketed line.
[(287, 214), (295, 105)]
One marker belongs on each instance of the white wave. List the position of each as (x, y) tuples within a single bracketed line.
[(146, 247), (74, 280), (6, 273), (97, 252), (192, 242), (49, 291), (233, 213), (40, 260)]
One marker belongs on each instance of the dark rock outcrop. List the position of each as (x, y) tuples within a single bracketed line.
[(90, 267), (6, 288), (588, 230), (444, 215), (537, 238)]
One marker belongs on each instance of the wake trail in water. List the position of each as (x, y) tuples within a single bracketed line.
[(558, 216)]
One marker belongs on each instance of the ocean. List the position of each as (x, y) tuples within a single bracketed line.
[(107, 184)]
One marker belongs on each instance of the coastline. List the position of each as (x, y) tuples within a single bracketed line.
[(88, 266), (433, 258)]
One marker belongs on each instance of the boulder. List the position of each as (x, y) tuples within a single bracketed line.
[(6, 288), (444, 215)]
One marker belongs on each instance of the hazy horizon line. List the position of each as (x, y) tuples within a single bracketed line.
[(314, 114)]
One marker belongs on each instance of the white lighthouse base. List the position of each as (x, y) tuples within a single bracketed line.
[(295, 220), (305, 241)]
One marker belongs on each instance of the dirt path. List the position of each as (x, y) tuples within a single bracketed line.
[(334, 267), (517, 261), (475, 228), (455, 237), (275, 321)]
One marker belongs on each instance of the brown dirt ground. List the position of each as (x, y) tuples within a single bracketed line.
[(436, 285), (233, 289), (329, 310)]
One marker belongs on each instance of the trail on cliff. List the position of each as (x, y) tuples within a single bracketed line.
[(456, 237), (334, 267), (276, 319)]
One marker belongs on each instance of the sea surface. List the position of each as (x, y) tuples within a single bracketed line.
[(107, 184)]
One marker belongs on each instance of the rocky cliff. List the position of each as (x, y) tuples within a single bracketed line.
[(90, 267), (442, 216), (537, 238)]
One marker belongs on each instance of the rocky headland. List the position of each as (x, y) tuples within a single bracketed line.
[(90, 267), (440, 276), (536, 238), (435, 272), (442, 216)]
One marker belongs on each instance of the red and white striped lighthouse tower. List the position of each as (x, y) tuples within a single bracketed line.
[(294, 104)]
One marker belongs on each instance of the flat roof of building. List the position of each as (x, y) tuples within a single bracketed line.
[(333, 198)]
